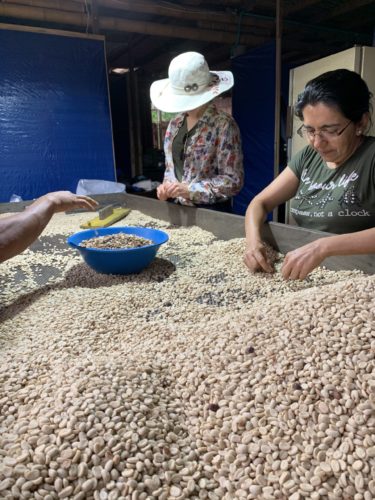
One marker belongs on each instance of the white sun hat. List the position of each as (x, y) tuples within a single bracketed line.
[(190, 84)]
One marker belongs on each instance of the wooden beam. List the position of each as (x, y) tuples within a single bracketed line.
[(166, 30), (118, 24), (43, 15), (64, 5), (176, 11), (254, 31), (50, 31), (299, 5), (248, 19), (276, 142), (94, 20), (339, 11)]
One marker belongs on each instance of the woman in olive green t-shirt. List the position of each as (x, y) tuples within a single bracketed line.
[(331, 182)]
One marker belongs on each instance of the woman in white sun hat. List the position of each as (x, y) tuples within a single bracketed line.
[(202, 145)]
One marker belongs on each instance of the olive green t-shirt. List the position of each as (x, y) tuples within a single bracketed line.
[(337, 200), (180, 142)]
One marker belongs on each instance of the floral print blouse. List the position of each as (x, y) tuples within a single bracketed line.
[(213, 166)]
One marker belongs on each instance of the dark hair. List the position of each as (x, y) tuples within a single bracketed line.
[(340, 88)]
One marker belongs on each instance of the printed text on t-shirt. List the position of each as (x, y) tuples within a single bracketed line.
[(344, 180)]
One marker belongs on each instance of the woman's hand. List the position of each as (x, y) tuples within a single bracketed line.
[(18, 231), (300, 262), (161, 191), (60, 201), (178, 189), (172, 190), (256, 258)]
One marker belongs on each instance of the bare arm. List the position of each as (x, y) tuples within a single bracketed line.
[(18, 231), (301, 261), (279, 191), (360, 242)]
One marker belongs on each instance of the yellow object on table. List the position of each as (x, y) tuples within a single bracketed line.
[(106, 217)]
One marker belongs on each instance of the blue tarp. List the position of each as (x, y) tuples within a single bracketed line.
[(55, 123), (254, 110)]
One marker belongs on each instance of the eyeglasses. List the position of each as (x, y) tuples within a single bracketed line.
[(324, 133)]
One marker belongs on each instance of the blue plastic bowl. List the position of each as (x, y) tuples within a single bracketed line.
[(119, 261)]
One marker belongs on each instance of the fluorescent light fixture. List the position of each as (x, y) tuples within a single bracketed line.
[(119, 71)]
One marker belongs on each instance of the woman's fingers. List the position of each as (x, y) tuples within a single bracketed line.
[(256, 260)]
